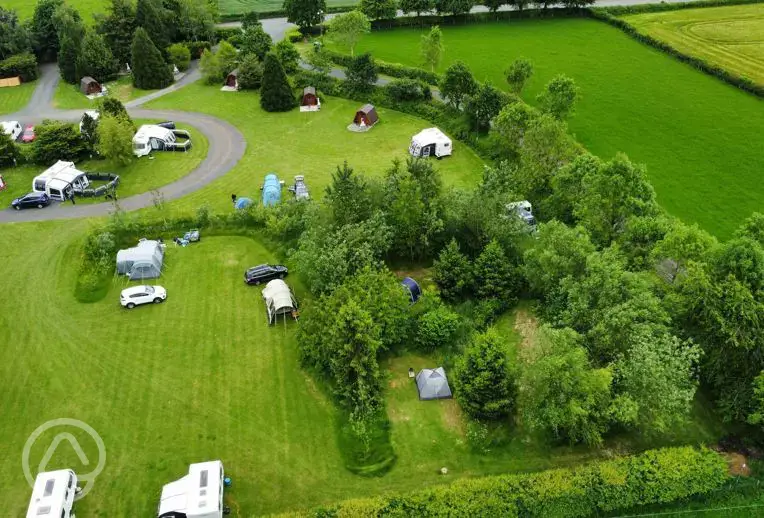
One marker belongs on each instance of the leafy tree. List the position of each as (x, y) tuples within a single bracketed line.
[(743, 259), (193, 20), (347, 29), (485, 380), (275, 92), (432, 47), (149, 68), (494, 5), (216, 66), (451, 272), (484, 105), (95, 58), (256, 41), (152, 16), (43, 28), (378, 9), (288, 55), (567, 184), (250, 73), (362, 73), (639, 239), (682, 243), (436, 328), (305, 13), (67, 59), (757, 415), (89, 130), (15, 38), (250, 19), (518, 74), (453, 7), (494, 275), (115, 108), (559, 97), (115, 136), (180, 56), (457, 83), (57, 141), (753, 228), (416, 6), (118, 28), (348, 197), (9, 151), (512, 122), (561, 393)]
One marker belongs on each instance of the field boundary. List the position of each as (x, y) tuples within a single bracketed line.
[(610, 15)]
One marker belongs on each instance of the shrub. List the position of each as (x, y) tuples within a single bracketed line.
[(22, 65), (58, 141), (408, 90), (276, 94), (294, 35), (10, 153), (197, 47), (250, 73), (224, 33), (436, 328), (180, 56)]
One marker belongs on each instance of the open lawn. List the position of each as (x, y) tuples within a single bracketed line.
[(14, 98), (141, 175), (313, 144), (731, 37), (69, 97), (86, 8), (694, 133), (244, 6)]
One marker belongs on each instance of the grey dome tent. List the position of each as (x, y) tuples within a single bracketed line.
[(433, 384), (143, 261)]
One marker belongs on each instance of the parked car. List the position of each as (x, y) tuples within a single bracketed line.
[(137, 295), (265, 273), (28, 135), (33, 199)]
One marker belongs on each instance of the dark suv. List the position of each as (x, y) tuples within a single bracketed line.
[(265, 273)]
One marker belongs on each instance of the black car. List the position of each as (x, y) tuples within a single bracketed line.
[(33, 199), (265, 273)]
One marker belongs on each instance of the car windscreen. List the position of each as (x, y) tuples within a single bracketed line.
[(149, 290)]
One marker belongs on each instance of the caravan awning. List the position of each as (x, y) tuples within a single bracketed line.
[(277, 295)]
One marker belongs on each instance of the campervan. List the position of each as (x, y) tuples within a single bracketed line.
[(197, 495), (430, 142), (60, 181), (523, 210), (12, 129), (53, 494), (152, 137)]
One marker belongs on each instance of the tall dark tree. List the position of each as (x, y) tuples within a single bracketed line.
[(118, 28), (275, 93), (452, 273), (416, 6), (250, 19), (9, 151), (149, 68), (457, 83), (67, 59), (305, 13), (95, 58), (155, 19), (348, 197), (453, 7), (378, 9), (484, 105), (44, 29), (362, 73), (14, 36)]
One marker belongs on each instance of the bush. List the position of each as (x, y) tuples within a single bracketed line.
[(180, 56), (294, 35), (197, 47), (436, 329), (408, 90), (250, 73), (22, 65), (224, 33)]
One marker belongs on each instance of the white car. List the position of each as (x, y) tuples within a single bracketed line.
[(138, 295)]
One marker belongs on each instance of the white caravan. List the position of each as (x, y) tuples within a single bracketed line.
[(60, 181), (197, 495), (12, 128), (430, 142), (524, 211), (53, 495), (151, 137)]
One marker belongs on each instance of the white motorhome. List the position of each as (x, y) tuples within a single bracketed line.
[(53, 495), (12, 128), (93, 114), (197, 495), (60, 181), (151, 137), (524, 211), (430, 142)]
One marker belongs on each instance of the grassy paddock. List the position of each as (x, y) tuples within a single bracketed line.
[(14, 98), (86, 8), (729, 37), (685, 126), (69, 97)]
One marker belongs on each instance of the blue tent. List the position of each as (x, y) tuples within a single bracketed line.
[(243, 203), (271, 190), (413, 288)]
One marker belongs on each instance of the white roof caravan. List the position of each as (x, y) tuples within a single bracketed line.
[(430, 141), (60, 180), (523, 210), (278, 300), (197, 495), (151, 137), (53, 495), (12, 128)]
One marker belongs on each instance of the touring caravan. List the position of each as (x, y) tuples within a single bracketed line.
[(53, 494), (197, 495), (430, 142), (152, 137), (60, 181), (524, 211), (12, 129)]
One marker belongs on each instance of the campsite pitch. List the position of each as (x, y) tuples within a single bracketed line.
[(14, 98), (69, 97), (684, 125)]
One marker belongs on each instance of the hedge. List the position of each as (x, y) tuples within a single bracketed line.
[(389, 69), (197, 47), (237, 17), (21, 65), (461, 19), (622, 10), (223, 33), (653, 477), (604, 14)]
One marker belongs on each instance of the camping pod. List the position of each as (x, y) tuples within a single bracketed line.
[(197, 495), (271, 190), (309, 97), (232, 80), (90, 86), (366, 116), (430, 142)]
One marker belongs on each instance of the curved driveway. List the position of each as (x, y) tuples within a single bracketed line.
[(226, 148)]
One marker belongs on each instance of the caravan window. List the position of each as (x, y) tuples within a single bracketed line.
[(39, 185), (138, 145), (55, 192), (49, 487)]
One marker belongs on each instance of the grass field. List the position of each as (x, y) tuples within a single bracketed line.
[(692, 131), (310, 143), (14, 98), (86, 8), (731, 37), (69, 97), (243, 6)]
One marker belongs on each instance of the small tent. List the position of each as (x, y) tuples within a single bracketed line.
[(90, 86), (143, 261), (242, 203), (412, 287), (366, 116), (309, 96), (271, 190), (278, 300), (433, 384), (232, 80)]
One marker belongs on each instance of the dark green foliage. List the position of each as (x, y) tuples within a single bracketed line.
[(457, 84), (197, 47), (275, 93), (152, 16), (753, 228), (305, 13), (250, 73), (216, 66), (388, 69), (485, 104), (149, 68), (256, 41), (408, 90), (494, 276), (250, 19), (57, 141), (191, 20), (43, 29), (378, 9), (559, 97), (348, 197), (288, 55), (89, 130), (67, 59), (22, 65), (180, 56), (15, 37), (743, 259), (361, 73), (452, 272), (95, 58), (114, 107), (118, 28), (9, 151), (416, 6), (756, 416), (518, 73), (640, 237), (511, 124), (484, 381), (453, 7), (436, 329)]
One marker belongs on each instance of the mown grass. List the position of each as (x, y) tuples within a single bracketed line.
[(693, 132), (69, 97), (313, 144), (86, 8), (243, 6), (730, 36), (14, 98)]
